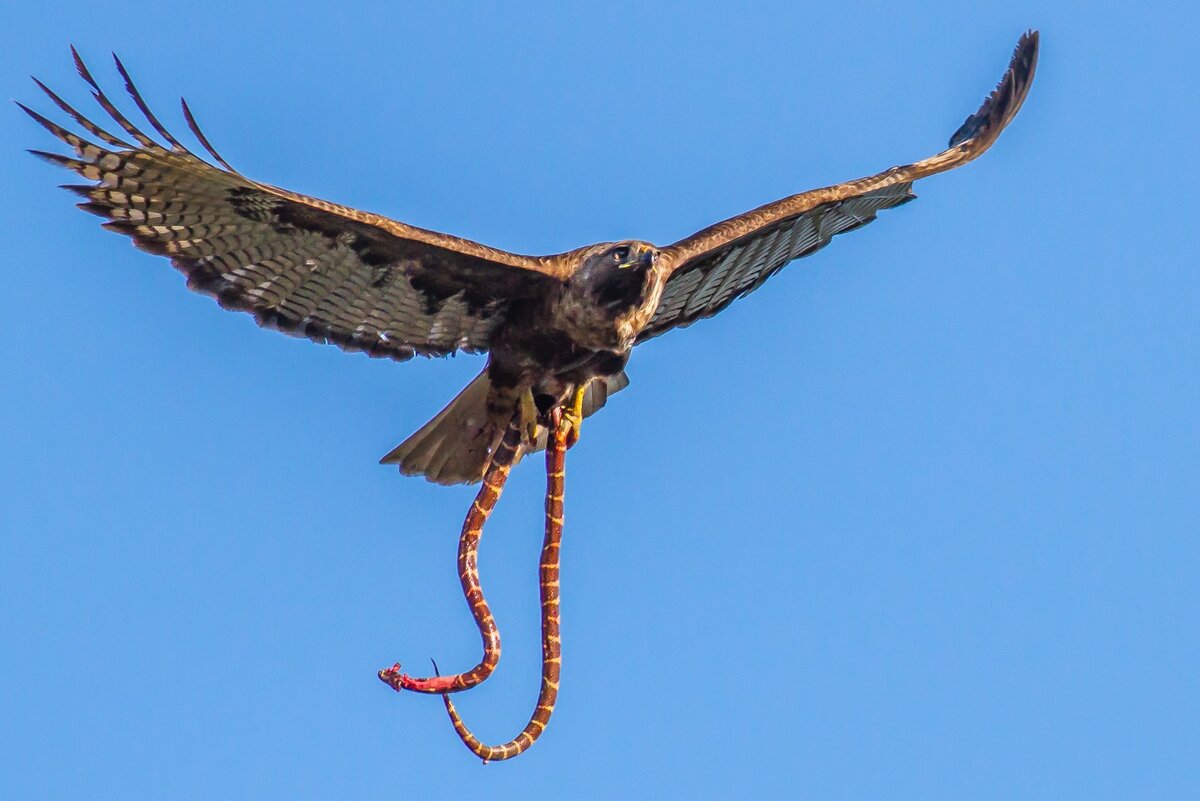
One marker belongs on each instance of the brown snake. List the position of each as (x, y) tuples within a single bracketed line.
[(556, 450), (468, 575)]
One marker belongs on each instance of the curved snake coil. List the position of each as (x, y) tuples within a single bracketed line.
[(551, 643), (468, 575)]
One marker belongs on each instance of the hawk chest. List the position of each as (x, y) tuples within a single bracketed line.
[(605, 315)]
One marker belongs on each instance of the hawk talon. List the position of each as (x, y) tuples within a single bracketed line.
[(574, 427), (531, 432), (572, 416), (529, 417)]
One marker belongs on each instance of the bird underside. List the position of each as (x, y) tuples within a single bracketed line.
[(455, 447)]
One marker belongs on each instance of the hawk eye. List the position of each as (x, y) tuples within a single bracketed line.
[(620, 254)]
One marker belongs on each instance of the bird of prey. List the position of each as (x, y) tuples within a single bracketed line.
[(558, 329)]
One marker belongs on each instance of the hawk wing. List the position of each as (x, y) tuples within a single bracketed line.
[(298, 264), (711, 268)]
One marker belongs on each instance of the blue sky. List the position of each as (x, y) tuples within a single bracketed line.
[(918, 519)]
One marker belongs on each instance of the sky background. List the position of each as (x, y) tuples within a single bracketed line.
[(919, 519)]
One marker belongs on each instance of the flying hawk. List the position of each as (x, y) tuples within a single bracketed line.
[(557, 329)]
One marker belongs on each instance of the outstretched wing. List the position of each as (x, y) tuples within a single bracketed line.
[(711, 268), (298, 264)]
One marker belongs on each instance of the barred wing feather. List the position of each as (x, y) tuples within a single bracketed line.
[(709, 269), (301, 265)]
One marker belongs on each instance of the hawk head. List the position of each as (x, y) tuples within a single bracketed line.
[(613, 275)]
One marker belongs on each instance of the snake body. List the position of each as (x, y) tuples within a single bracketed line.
[(551, 644), (468, 575)]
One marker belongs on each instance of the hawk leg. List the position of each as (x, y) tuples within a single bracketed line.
[(529, 416), (573, 416)]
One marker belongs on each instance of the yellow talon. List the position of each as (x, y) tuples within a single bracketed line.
[(573, 416), (529, 417)]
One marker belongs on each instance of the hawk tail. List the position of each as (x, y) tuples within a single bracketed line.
[(456, 445)]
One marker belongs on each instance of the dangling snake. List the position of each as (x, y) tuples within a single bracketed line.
[(468, 575), (556, 450)]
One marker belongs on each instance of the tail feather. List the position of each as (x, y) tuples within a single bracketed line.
[(456, 445)]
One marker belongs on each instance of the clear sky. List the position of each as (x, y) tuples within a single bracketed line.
[(919, 519)]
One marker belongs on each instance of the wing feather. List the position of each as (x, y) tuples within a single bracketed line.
[(302, 265), (710, 269)]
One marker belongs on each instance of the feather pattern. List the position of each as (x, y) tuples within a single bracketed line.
[(298, 264), (708, 270)]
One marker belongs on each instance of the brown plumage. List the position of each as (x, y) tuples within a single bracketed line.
[(552, 325)]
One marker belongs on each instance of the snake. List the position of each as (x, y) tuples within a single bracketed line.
[(548, 582), (468, 575)]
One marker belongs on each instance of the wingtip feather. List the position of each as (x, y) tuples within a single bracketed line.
[(199, 134), (140, 102), (83, 121), (82, 69), (57, 159), (1005, 101)]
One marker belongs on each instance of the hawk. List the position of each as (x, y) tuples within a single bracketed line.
[(558, 329)]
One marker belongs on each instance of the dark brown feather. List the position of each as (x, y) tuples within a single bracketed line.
[(709, 269), (299, 264)]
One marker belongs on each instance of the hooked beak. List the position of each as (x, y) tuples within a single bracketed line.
[(642, 256)]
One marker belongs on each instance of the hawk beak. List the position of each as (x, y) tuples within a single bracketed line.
[(639, 256)]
